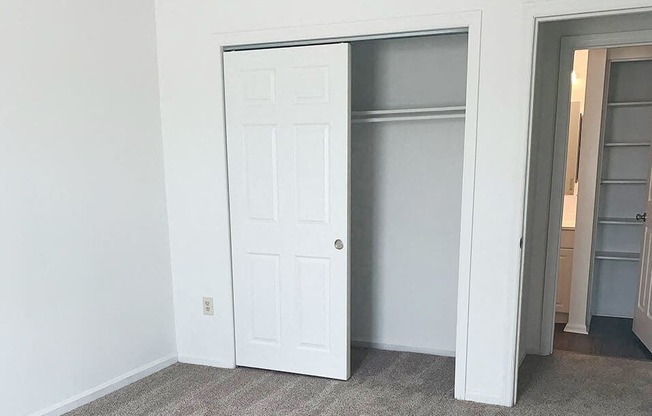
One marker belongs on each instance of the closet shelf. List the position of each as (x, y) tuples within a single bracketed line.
[(616, 255), (619, 221), (630, 104), (408, 114), (624, 181), (626, 144)]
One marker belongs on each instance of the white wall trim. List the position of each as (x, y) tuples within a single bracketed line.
[(467, 207), (403, 348), (472, 21), (209, 362), (107, 387)]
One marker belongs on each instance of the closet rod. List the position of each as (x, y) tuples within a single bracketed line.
[(458, 108), (407, 118)]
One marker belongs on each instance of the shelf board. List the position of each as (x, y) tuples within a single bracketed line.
[(616, 255), (630, 104), (627, 144), (624, 181), (619, 221)]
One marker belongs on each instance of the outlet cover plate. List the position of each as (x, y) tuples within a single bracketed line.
[(208, 306)]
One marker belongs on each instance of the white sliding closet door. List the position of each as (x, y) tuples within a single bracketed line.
[(288, 153)]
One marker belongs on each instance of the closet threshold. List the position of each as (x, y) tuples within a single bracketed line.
[(408, 114), (616, 255)]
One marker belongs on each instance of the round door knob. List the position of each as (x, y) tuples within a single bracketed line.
[(339, 244), (641, 217)]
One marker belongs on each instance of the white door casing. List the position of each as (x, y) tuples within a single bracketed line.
[(288, 117), (643, 312)]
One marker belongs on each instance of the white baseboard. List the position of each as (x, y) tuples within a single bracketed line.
[(106, 388), (402, 348), (186, 359), (576, 329)]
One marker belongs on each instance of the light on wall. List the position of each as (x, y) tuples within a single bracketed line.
[(573, 77)]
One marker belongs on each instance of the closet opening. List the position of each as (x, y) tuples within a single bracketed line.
[(346, 177), (587, 280), (407, 145)]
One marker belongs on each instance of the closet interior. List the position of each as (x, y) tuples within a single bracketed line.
[(407, 135)]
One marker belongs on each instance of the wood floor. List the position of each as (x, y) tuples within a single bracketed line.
[(609, 337)]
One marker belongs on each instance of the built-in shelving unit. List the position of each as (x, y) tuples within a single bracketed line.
[(408, 114), (623, 169)]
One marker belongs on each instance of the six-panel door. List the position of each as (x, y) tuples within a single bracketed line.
[(288, 154)]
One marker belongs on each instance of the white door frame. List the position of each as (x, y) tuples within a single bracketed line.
[(471, 23), (568, 47)]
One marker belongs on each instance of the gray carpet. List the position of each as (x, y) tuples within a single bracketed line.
[(386, 383)]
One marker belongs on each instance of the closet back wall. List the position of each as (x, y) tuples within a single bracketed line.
[(406, 180)]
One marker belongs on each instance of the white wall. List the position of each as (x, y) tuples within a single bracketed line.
[(85, 285), (194, 147)]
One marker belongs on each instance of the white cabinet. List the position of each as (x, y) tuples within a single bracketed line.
[(565, 272)]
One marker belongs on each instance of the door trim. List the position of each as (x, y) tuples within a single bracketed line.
[(387, 28)]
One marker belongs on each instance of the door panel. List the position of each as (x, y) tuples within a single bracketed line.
[(288, 151)]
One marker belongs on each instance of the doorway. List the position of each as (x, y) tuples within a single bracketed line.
[(617, 80), (586, 276)]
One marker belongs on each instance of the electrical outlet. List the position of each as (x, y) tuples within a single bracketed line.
[(208, 306)]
